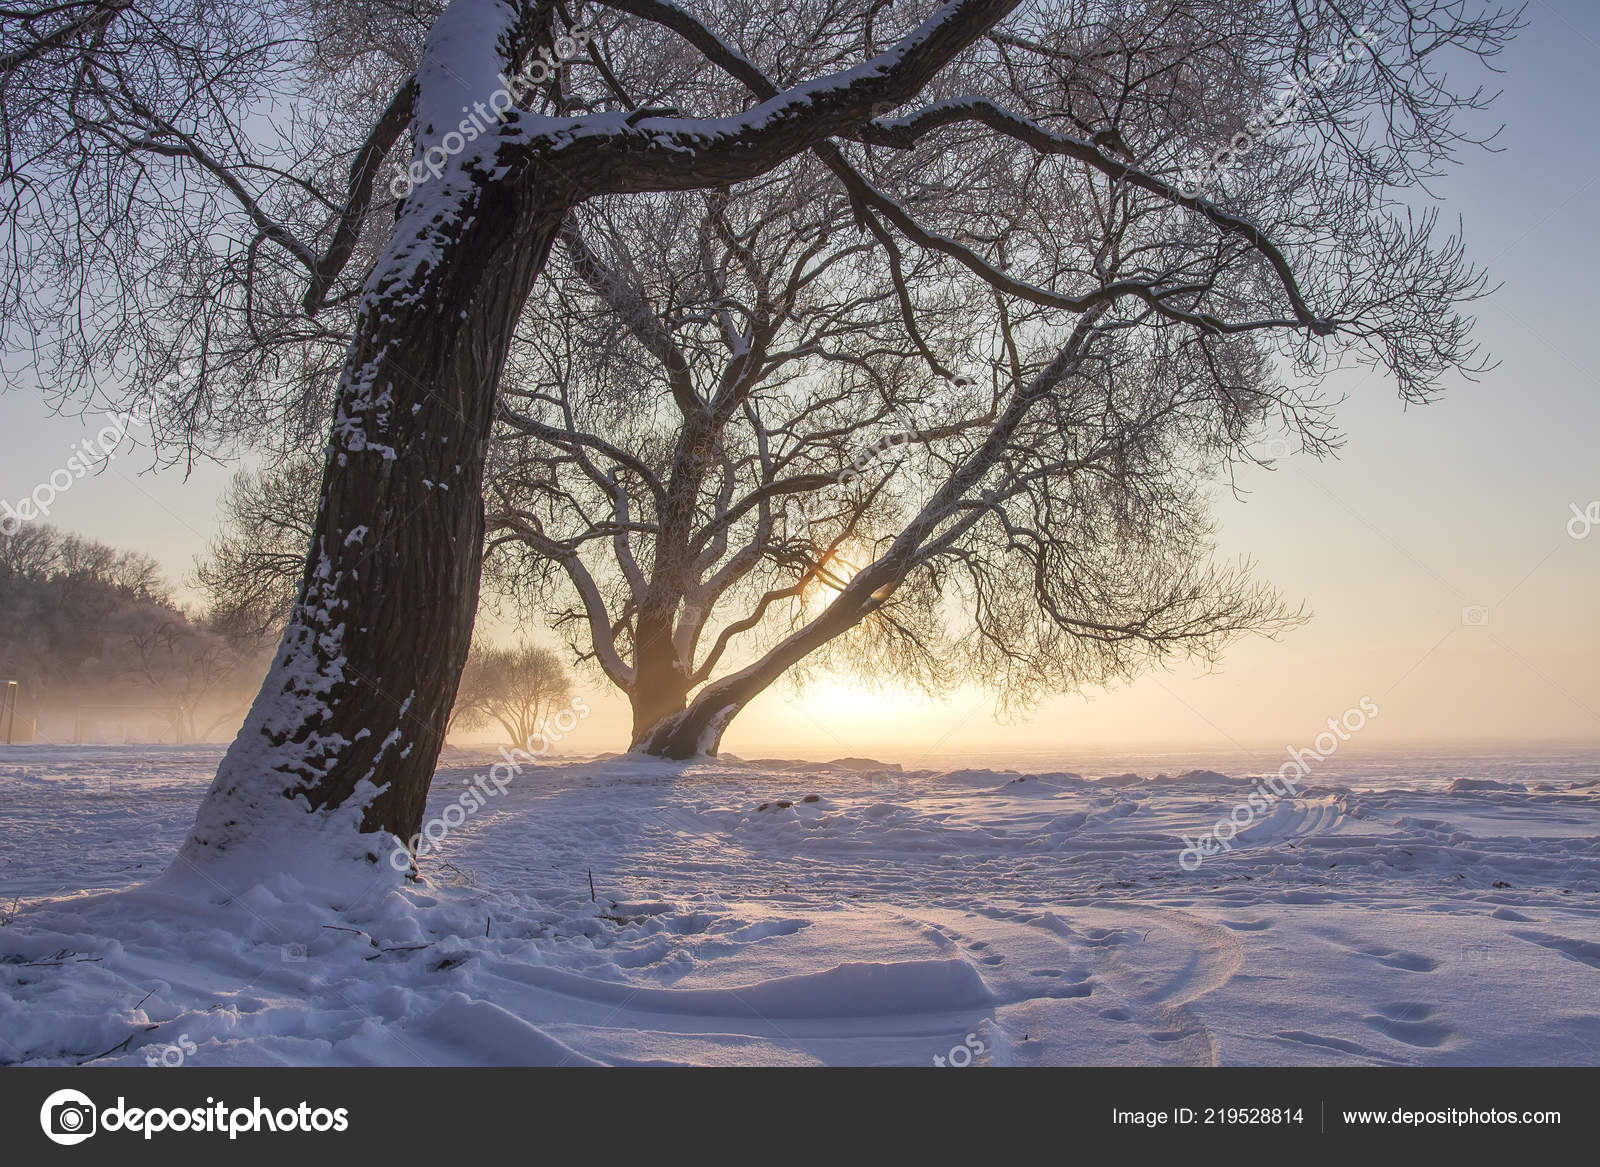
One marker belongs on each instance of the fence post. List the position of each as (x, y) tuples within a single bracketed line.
[(8, 709)]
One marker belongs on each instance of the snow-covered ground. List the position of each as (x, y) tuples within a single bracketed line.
[(794, 913)]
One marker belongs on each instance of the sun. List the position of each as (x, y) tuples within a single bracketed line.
[(833, 575)]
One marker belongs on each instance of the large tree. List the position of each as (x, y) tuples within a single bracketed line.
[(226, 173), (734, 444)]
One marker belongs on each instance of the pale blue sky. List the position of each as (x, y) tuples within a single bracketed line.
[(1426, 512)]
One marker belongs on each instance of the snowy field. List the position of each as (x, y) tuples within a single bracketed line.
[(794, 913)]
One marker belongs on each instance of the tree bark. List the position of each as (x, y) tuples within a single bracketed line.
[(689, 732), (660, 689), (696, 730), (352, 715)]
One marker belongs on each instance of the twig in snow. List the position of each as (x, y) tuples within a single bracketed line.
[(55, 959), (121, 1045), (357, 931), (399, 948)]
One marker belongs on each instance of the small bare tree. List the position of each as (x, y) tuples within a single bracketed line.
[(515, 688), (251, 571)]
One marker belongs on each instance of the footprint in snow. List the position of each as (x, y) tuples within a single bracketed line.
[(1247, 925), (1393, 958), (1411, 1022)]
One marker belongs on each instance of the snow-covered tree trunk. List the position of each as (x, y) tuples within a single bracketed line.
[(386, 608), (351, 718)]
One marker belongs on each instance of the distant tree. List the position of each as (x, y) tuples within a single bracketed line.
[(86, 623), (203, 676), (78, 559), (517, 688), (27, 553), (60, 594), (815, 485), (251, 572)]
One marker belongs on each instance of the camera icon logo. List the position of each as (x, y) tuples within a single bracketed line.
[(294, 953), (1583, 521), (1475, 616), (68, 1117), (1276, 449)]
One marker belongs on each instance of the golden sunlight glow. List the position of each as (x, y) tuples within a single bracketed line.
[(837, 570)]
